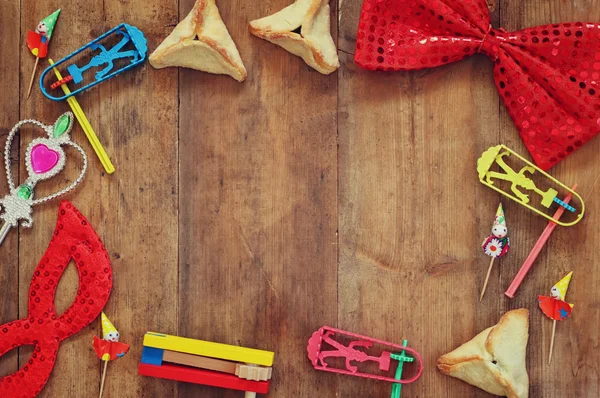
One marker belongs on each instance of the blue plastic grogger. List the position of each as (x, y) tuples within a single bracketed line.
[(105, 59)]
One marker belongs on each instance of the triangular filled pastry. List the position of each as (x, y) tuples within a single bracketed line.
[(201, 41), (313, 42), (494, 360)]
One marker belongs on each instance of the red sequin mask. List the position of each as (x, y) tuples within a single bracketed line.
[(547, 76), (74, 238)]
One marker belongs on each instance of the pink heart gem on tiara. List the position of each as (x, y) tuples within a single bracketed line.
[(43, 159)]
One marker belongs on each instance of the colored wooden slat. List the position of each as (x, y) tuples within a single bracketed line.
[(198, 361), (152, 356), (253, 372), (208, 349), (156, 356), (205, 377)]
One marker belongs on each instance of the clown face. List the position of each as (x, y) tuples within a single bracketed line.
[(42, 29), (112, 336), (499, 231), (555, 293)]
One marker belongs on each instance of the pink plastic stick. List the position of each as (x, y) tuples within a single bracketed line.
[(512, 289)]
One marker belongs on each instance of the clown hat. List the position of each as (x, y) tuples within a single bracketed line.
[(50, 22), (107, 326), (563, 285), (499, 219)]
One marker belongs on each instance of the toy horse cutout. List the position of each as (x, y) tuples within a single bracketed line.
[(107, 56), (351, 354), (520, 180)]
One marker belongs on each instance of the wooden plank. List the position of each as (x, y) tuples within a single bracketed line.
[(203, 377), (575, 348), (34, 241), (258, 209), (197, 361), (9, 116), (253, 372), (134, 211), (208, 348), (258, 205), (411, 212), (156, 356)]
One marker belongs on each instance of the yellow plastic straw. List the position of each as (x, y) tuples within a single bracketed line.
[(86, 126)]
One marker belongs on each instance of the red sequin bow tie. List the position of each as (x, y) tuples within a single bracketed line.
[(74, 238), (547, 76)]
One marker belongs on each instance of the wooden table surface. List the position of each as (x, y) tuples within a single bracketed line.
[(254, 213)]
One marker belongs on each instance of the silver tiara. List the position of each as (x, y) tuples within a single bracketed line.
[(44, 159)]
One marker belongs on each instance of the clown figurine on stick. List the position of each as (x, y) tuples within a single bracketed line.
[(108, 348), (497, 244)]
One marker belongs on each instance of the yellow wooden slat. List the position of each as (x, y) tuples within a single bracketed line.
[(208, 349)]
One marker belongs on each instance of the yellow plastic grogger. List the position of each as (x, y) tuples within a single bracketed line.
[(496, 155)]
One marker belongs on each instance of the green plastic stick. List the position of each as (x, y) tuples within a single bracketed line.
[(397, 387)]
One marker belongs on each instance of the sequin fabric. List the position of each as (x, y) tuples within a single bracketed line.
[(548, 76), (73, 239)]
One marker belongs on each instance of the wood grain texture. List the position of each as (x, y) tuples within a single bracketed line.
[(569, 249), (254, 213), (258, 205), (198, 361), (70, 377), (134, 211), (9, 116), (410, 266)]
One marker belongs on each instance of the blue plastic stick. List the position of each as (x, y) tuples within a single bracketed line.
[(563, 204)]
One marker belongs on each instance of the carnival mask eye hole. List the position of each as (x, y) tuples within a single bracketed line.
[(494, 362), (66, 291), (298, 30), (10, 357)]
